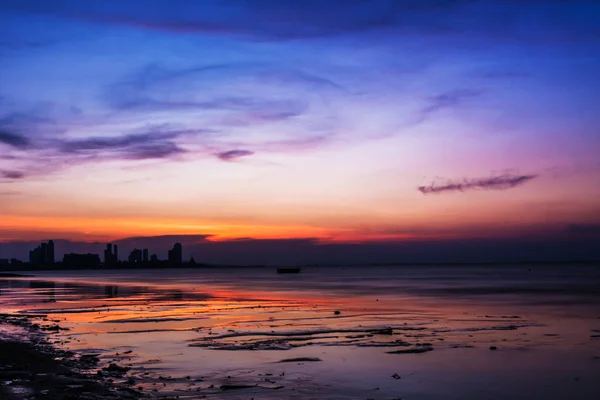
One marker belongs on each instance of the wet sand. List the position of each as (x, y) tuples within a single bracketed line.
[(252, 334), (30, 367)]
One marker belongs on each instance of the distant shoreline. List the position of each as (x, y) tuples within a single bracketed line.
[(127, 266), (12, 275)]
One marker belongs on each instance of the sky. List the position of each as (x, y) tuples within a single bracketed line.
[(339, 121)]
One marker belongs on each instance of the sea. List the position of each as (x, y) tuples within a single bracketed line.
[(345, 332)]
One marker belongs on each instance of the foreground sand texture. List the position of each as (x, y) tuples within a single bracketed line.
[(345, 333), (30, 367)]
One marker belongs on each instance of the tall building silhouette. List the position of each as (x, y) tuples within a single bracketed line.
[(135, 256), (110, 258), (50, 252), (35, 255), (43, 254), (176, 254)]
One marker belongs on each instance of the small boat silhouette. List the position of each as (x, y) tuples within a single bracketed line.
[(288, 270)]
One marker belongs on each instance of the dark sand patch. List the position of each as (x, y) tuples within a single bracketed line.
[(300, 359), (31, 367), (421, 348), (271, 340)]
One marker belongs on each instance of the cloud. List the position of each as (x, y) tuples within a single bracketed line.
[(54, 153), (154, 151), (51, 151), (252, 92), (12, 175), (153, 144), (501, 182), (295, 144), (262, 19), (30, 117), (112, 143), (14, 140), (232, 155), (502, 20), (449, 100), (253, 108), (9, 193)]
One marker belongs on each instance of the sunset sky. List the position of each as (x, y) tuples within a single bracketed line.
[(336, 120)]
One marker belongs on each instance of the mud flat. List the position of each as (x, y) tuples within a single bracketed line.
[(227, 335), (30, 367)]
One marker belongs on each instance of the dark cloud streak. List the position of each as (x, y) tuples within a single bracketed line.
[(156, 88), (12, 175), (232, 155), (501, 182), (155, 151), (292, 19), (149, 145), (14, 140)]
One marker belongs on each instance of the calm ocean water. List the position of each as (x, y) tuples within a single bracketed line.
[(431, 325)]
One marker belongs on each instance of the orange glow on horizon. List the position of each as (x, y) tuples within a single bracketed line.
[(90, 229), (85, 229)]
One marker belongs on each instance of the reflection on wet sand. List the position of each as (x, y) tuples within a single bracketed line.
[(229, 339)]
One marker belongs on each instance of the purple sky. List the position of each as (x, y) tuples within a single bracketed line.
[(338, 121)]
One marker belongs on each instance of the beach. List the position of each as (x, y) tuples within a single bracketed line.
[(422, 332)]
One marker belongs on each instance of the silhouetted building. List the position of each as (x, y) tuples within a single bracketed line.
[(43, 254), (74, 260), (108, 254), (135, 256), (176, 254), (35, 255), (50, 253), (145, 256), (110, 257), (153, 258)]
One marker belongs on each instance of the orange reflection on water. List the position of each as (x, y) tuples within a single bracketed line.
[(220, 328)]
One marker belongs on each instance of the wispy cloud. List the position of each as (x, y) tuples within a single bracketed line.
[(290, 19), (249, 93), (12, 175), (154, 143), (45, 151), (257, 19), (9, 193), (304, 143), (14, 140), (232, 155), (501, 182), (154, 151), (448, 100), (46, 155)]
